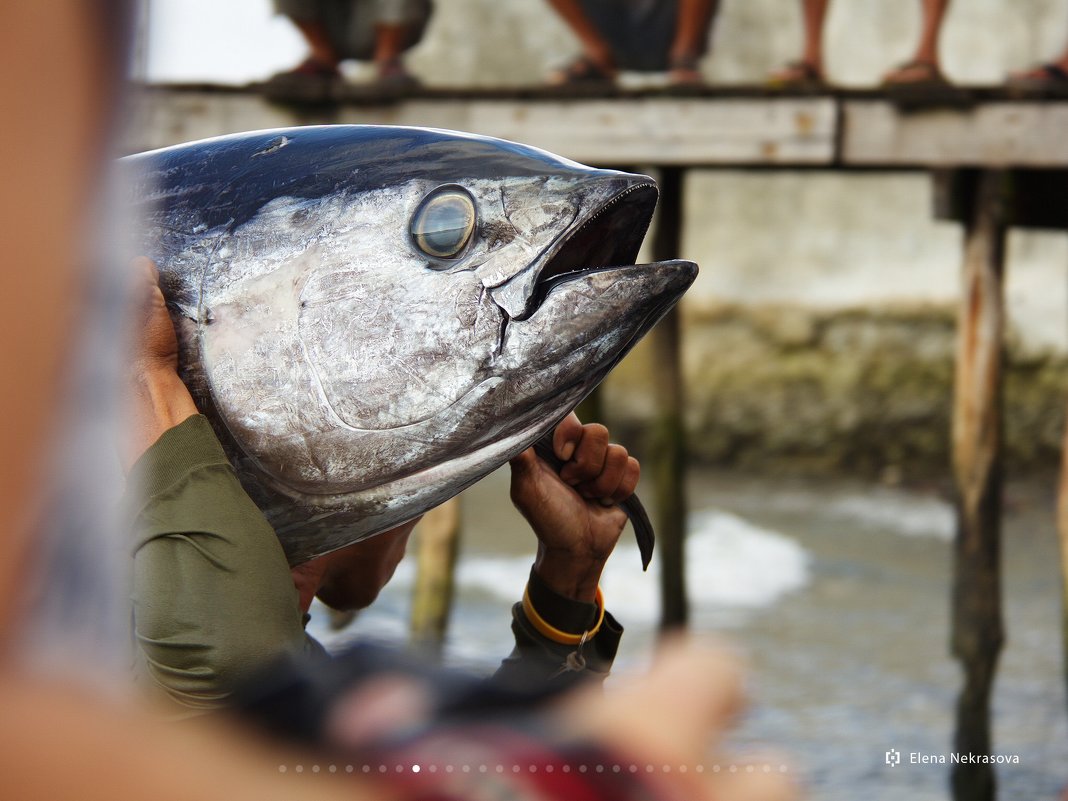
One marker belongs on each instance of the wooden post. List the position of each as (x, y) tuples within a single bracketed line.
[(437, 542), (977, 462), (1062, 530), (668, 446)]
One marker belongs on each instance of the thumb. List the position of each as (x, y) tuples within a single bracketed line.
[(524, 467), (523, 463)]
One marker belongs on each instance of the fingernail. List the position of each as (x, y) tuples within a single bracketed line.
[(567, 451)]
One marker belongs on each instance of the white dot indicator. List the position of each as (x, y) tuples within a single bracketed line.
[(415, 768)]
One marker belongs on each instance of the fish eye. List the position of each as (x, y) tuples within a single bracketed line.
[(442, 225)]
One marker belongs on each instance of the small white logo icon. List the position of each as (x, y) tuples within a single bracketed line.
[(893, 757)]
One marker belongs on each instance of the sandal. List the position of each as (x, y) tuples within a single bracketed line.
[(393, 76), (583, 71), (795, 75), (684, 71), (1040, 77), (311, 82), (915, 74), (310, 68)]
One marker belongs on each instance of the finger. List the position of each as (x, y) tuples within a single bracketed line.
[(629, 482), (606, 483), (588, 460), (566, 436)]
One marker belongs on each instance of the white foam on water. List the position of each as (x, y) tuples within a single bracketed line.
[(732, 567), (877, 509), (909, 514), (731, 564)]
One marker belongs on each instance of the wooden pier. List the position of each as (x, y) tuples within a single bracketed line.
[(737, 128)]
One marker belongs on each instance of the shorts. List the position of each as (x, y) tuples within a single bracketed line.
[(640, 32), (350, 24)]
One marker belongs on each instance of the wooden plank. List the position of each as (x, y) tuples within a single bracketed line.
[(977, 631), (704, 130), (674, 131), (991, 134), (668, 131)]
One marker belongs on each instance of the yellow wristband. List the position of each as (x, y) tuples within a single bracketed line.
[(549, 631)]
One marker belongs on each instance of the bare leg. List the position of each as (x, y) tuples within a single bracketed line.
[(934, 12), (390, 41), (321, 53), (691, 38), (594, 48), (815, 11), (810, 67), (925, 65)]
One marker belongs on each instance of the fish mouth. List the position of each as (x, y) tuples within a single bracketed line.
[(608, 237)]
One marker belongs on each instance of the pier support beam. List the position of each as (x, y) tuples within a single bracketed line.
[(1062, 532), (669, 445), (437, 544), (977, 632)]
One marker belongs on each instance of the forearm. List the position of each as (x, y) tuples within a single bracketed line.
[(158, 401)]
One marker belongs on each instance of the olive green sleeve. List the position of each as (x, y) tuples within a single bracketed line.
[(213, 596), (536, 658)]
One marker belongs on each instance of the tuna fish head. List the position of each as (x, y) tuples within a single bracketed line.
[(377, 317)]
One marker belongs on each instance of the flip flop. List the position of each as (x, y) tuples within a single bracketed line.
[(929, 75), (795, 75), (684, 72), (1041, 77), (583, 71), (310, 82)]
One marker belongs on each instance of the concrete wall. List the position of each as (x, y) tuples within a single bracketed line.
[(820, 333)]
